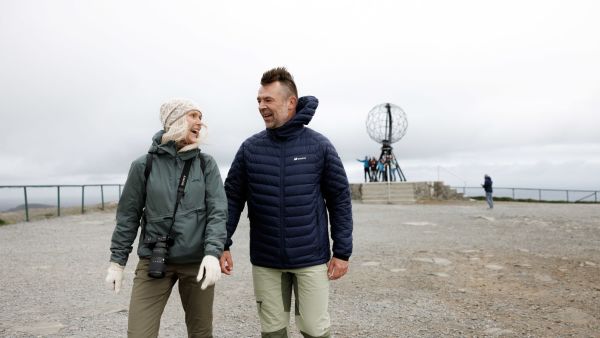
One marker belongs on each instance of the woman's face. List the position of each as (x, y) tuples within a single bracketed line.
[(194, 122)]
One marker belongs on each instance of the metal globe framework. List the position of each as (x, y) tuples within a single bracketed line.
[(387, 124)]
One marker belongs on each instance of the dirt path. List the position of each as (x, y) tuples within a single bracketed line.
[(417, 271)]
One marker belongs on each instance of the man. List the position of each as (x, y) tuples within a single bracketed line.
[(291, 178), (365, 163), (487, 186)]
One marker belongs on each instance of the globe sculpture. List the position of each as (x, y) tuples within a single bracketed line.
[(386, 124)]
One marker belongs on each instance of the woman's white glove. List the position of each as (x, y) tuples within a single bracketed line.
[(115, 276), (210, 265)]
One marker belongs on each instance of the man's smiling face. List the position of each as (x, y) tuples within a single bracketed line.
[(275, 104)]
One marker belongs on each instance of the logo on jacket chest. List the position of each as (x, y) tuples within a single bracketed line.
[(299, 158)]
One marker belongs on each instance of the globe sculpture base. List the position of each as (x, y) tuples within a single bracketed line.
[(390, 172)]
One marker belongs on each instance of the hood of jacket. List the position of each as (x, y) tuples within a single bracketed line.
[(169, 148), (305, 110)]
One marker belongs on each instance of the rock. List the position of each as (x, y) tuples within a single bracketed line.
[(419, 224), (41, 328), (118, 310), (470, 251), (398, 270), (544, 278), (574, 316), (494, 267), (423, 259), (441, 261), (496, 332), (440, 274), (522, 265)]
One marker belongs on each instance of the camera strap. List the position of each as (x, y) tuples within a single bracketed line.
[(180, 189)]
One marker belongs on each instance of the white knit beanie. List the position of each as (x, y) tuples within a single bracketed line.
[(175, 126)]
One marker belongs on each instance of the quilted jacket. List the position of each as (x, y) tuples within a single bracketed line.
[(292, 180)]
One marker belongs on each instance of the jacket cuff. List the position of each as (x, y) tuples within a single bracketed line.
[(119, 260), (342, 257)]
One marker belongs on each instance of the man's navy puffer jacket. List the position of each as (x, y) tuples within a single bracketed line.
[(291, 177)]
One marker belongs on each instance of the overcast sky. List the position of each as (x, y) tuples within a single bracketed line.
[(507, 88)]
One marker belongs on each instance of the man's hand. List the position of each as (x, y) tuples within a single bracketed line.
[(114, 276), (209, 270), (226, 262), (336, 268)]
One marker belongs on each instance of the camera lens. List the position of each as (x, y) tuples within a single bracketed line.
[(158, 260)]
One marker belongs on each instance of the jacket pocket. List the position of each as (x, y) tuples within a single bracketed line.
[(194, 197), (188, 236)]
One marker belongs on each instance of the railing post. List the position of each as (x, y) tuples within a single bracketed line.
[(119, 191), (82, 197), (596, 196), (26, 205), (102, 195), (513, 193), (567, 195), (388, 191), (58, 200)]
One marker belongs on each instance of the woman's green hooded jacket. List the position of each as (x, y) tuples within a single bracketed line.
[(199, 227)]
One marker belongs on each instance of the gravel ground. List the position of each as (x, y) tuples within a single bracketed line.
[(421, 270)]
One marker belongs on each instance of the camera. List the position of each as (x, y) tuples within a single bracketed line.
[(160, 252)]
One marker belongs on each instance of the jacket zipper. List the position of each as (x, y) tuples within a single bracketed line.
[(282, 206)]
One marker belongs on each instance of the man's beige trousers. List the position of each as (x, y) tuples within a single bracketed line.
[(273, 291)]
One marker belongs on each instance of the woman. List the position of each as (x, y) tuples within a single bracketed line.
[(190, 234)]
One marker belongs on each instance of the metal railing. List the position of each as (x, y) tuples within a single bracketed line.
[(566, 195), (58, 188)]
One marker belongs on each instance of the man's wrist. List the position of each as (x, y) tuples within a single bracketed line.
[(342, 257)]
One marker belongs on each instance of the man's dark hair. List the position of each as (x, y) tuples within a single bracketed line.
[(283, 76)]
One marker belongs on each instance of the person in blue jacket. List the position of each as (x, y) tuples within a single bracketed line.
[(365, 163), (487, 186), (293, 182)]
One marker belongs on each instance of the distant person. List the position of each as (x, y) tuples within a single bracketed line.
[(487, 186), (380, 170), (192, 242), (386, 169), (373, 169), (291, 178), (393, 167), (365, 163)]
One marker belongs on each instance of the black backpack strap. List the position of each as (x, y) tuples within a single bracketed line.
[(149, 158), (202, 165)]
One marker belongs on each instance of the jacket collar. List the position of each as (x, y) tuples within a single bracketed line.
[(169, 148), (305, 110)]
